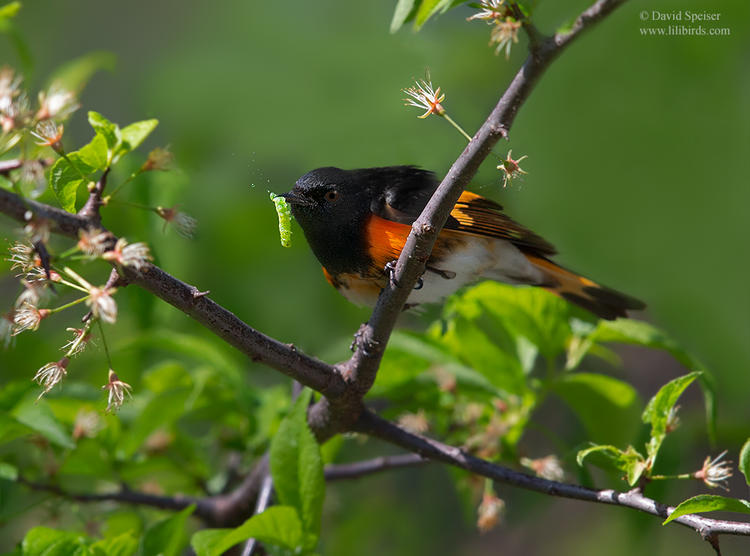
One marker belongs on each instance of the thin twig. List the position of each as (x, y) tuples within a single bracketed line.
[(123, 495), (708, 529), (7, 166), (357, 469), (224, 510), (264, 500)]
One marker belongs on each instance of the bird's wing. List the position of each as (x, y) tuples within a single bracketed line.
[(410, 188)]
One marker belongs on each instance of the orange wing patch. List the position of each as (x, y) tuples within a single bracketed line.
[(476, 215), (385, 240)]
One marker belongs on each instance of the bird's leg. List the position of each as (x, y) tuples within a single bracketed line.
[(390, 269)]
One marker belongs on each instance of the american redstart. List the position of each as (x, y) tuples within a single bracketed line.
[(357, 221)]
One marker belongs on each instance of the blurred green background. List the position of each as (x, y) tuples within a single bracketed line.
[(638, 172)]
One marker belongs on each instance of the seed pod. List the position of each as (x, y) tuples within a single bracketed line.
[(285, 219)]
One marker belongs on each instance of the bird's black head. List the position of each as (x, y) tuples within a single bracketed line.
[(332, 206), (328, 197)]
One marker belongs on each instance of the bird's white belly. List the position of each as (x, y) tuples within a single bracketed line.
[(481, 258)]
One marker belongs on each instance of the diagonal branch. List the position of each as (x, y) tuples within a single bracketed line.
[(283, 357), (709, 529), (373, 336)]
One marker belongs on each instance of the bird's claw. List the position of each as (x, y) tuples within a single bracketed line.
[(390, 269)]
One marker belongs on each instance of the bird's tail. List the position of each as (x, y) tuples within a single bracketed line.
[(604, 302)]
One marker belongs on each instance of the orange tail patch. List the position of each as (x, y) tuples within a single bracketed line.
[(604, 302)]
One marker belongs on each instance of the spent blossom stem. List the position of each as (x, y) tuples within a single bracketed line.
[(104, 342)]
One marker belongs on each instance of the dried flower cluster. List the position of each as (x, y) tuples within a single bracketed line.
[(117, 392), (715, 472), (55, 105), (511, 169), (183, 223), (505, 26), (490, 512), (547, 467)]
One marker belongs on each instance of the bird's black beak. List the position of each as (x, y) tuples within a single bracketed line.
[(295, 199)]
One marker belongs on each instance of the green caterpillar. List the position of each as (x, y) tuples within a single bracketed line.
[(285, 219)]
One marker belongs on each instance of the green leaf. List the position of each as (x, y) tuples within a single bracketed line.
[(167, 537), (209, 541), (644, 334), (73, 75), (709, 503), (474, 338), (405, 10), (428, 8), (297, 468), (278, 525), (606, 406), (43, 541), (744, 464), (537, 315), (89, 458), (631, 462), (610, 452), (10, 429), (65, 179), (9, 10), (8, 472), (121, 545), (110, 131), (94, 155), (134, 134), (410, 354), (38, 416), (657, 411)]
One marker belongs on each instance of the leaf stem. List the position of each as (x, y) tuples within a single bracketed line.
[(134, 205), (104, 342), (124, 183), (68, 305), (455, 125), (669, 477)]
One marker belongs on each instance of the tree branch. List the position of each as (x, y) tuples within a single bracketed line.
[(372, 425), (373, 337), (90, 211), (283, 357), (223, 510), (357, 469), (123, 495)]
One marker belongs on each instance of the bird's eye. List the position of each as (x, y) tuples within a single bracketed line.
[(331, 195)]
